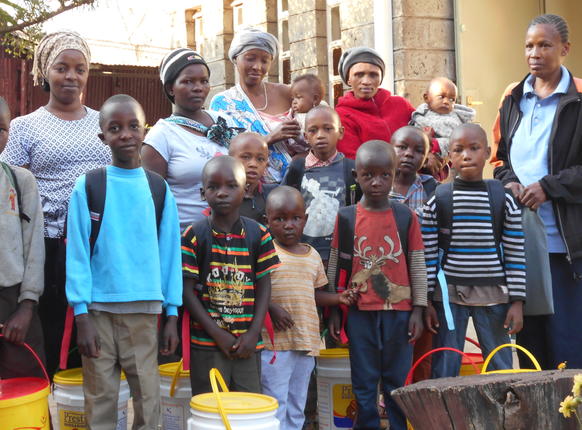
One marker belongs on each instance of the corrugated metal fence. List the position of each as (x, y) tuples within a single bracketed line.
[(142, 83)]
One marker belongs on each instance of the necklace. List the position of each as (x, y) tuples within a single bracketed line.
[(266, 98)]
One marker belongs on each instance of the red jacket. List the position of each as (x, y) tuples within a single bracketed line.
[(365, 120)]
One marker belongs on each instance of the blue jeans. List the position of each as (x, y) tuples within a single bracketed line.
[(379, 352), (488, 321)]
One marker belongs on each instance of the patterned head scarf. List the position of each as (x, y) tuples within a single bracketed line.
[(49, 49), (252, 38), (361, 54)]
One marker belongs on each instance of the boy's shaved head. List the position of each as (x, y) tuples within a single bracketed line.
[(409, 130), (224, 163), (473, 129), (284, 196), (375, 151), (242, 138), (116, 100), (323, 108)]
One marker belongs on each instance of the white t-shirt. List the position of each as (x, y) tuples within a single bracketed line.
[(186, 155)]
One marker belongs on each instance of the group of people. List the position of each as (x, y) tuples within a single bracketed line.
[(250, 215)]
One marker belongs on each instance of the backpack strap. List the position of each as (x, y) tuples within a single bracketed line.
[(444, 211), (429, 187), (252, 239), (496, 192), (403, 217), (14, 182), (353, 190), (95, 189), (295, 173), (158, 189)]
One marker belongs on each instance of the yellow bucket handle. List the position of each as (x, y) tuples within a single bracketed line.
[(511, 345), (175, 378), (214, 377)]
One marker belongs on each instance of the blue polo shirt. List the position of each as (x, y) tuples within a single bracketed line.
[(530, 147)]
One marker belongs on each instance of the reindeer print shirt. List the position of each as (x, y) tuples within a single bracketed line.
[(385, 277)]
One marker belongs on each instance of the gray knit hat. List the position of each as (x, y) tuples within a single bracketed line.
[(357, 55)]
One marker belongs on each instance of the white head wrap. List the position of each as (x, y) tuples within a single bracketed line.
[(252, 38)]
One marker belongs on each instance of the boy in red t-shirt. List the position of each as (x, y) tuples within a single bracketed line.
[(390, 276)]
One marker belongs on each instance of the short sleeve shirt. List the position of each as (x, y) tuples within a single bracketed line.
[(228, 292)]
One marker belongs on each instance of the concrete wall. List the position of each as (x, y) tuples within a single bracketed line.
[(424, 45)]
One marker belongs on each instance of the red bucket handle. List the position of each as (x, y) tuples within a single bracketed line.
[(413, 368), (35, 355)]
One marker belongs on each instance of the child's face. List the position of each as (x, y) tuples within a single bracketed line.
[(4, 127), (287, 220), (375, 176), (123, 131), (304, 98), (469, 153), (322, 132), (223, 190), (441, 97), (411, 149), (253, 153)]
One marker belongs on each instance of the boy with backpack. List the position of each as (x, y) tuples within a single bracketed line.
[(21, 263), (474, 228), (377, 250), (123, 267), (324, 177), (226, 263)]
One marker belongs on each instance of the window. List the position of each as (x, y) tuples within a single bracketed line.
[(334, 50), (283, 35), (237, 14), (194, 32), (286, 71)]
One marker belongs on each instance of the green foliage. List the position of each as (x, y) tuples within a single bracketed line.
[(21, 22)]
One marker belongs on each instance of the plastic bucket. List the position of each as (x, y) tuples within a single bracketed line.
[(24, 401), (472, 358), (232, 410), (175, 395), (68, 393), (336, 402)]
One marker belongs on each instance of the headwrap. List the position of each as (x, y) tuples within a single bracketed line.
[(361, 54), (49, 49), (252, 38), (174, 62)]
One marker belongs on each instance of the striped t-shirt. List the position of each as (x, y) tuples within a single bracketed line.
[(473, 258), (228, 293)]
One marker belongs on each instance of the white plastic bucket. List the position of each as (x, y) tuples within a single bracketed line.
[(175, 395), (68, 394), (232, 410), (336, 402)]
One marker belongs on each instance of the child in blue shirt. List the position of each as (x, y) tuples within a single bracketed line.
[(119, 281)]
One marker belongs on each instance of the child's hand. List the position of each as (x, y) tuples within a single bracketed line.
[(431, 319), (514, 319), (334, 324), (170, 338), (16, 327), (245, 345), (87, 338), (415, 326), (282, 320), (434, 163), (348, 297), (225, 342)]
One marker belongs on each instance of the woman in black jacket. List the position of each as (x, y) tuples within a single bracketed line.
[(539, 157)]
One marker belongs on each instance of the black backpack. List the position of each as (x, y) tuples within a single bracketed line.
[(346, 230), (444, 210), (14, 182), (96, 189), (296, 169)]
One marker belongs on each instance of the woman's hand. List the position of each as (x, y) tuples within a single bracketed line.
[(533, 196), (516, 188), (288, 129)]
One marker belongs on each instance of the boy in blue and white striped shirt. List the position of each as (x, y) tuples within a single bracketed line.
[(475, 228)]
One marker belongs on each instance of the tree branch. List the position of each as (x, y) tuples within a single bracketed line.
[(44, 17)]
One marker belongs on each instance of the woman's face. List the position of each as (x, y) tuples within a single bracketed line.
[(364, 78), (253, 65), (67, 76), (544, 50), (191, 88)]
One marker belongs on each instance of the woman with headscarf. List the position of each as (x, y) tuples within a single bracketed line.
[(258, 105), (58, 143), (367, 112), (179, 146), (538, 155)]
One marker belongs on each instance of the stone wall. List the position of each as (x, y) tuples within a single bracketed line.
[(424, 42)]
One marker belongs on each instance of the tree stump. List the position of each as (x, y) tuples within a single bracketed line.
[(514, 401)]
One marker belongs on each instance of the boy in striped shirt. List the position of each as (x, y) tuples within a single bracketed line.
[(227, 282), (483, 280)]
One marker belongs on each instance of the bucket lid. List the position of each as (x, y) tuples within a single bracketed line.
[(169, 369), (334, 353), (73, 377), (234, 403), (18, 391)]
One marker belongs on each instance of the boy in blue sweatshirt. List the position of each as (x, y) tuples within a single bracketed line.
[(119, 281)]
